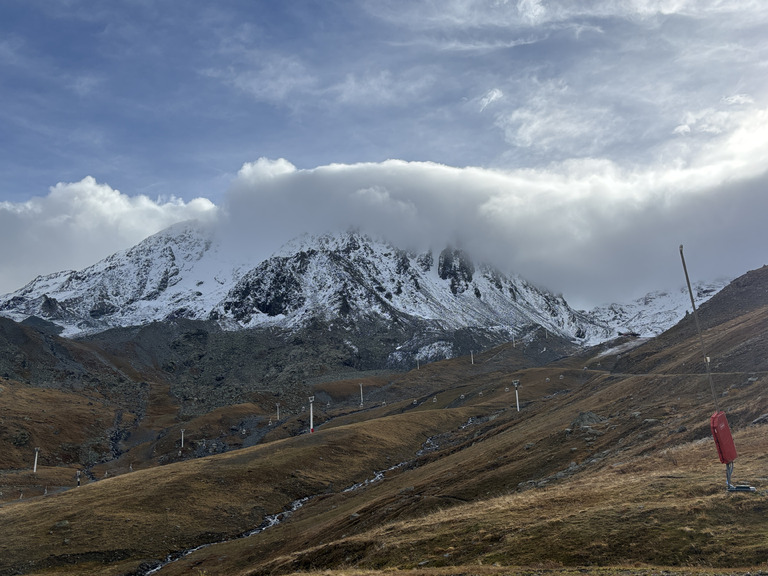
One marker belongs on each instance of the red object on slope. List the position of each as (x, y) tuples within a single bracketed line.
[(721, 432)]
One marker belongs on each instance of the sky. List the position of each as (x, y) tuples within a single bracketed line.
[(577, 144)]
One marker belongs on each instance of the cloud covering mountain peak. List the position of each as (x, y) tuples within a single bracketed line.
[(589, 229)]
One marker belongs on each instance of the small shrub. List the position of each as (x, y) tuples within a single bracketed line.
[(20, 438)]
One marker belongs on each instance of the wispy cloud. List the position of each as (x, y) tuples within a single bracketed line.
[(382, 88), (469, 45), (273, 78), (490, 97)]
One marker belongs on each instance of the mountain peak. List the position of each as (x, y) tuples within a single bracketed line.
[(348, 278)]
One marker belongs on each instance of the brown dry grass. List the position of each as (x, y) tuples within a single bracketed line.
[(658, 501), (149, 513), (63, 424), (645, 512), (497, 492)]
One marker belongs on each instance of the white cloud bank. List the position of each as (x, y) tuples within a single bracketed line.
[(79, 223), (591, 228)]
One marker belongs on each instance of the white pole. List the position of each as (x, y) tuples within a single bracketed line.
[(182, 437), (472, 356), (361, 394), (278, 411), (517, 398), (34, 470), (311, 415)]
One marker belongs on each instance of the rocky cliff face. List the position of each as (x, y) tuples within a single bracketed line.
[(351, 279), (455, 266)]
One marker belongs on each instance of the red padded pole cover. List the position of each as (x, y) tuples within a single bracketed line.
[(721, 432)]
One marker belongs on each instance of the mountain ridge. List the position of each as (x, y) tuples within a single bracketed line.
[(183, 272), (186, 271)]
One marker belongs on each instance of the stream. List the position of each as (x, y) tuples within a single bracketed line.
[(275, 519), (269, 522)]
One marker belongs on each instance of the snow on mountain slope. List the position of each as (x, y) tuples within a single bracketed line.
[(350, 276), (179, 270), (655, 312), (184, 272)]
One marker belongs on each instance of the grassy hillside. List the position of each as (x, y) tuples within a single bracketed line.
[(608, 468)]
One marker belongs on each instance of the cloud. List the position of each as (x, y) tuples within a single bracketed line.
[(269, 77), (531, 10), (478, 45), (737, 99), (79, 223), (10, 52), (490, 97), (263, 170), (382, 88), (85, 84), (589, 228)]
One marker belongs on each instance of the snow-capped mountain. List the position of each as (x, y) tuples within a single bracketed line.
[(184, 272), (347, 279), (351, 276), (655, 312), (178, 270)]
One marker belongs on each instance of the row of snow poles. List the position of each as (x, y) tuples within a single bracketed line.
[(34, 467), (515, 383)]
